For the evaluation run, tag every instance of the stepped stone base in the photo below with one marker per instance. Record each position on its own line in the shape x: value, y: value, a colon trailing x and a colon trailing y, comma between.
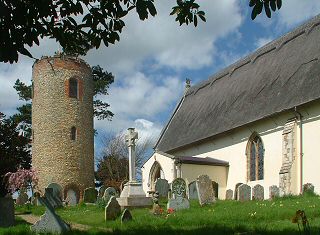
x: 133, y: 196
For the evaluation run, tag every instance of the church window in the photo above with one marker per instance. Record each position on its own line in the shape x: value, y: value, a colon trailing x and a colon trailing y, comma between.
x: 73, y: 88
x: 255, y: 156
x: 73, y: 133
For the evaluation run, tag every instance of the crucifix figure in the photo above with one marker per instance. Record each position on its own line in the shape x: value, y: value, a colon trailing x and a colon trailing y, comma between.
x: 131, y: 137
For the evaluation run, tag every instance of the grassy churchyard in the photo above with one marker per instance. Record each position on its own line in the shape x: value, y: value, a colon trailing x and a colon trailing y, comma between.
x: 223, y: 217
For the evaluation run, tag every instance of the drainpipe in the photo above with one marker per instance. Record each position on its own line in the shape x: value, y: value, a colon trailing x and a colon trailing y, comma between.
x: 301, y: 149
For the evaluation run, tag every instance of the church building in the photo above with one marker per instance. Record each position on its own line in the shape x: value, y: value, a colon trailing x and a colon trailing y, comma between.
x: 255, y: 122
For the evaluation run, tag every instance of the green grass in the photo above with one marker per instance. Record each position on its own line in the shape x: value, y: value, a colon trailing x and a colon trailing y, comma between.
x: 224, y: 217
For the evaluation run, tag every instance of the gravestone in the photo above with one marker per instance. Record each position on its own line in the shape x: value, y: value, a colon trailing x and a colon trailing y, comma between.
x: 101, y: 191
x: 57, y: 190
x: 113, y: 209
x: 236, y: 191
x: 179, y: 201
x: 274, y: 191
x: 126, y: 216
x: 215, y: 186
x: 90, y: 195
x: 49, y: 222
x: 244, y: 193
x: 192, y: 190
x: 162, y: 187
x: 53, y: 200
x: 6, y: 212
x: 71, y: 199
x: 108, y: 193
x: 229, y: 194
x: 308, y: 188
x: 22, y: 198
x: 205, y: 190
x: 258, y: 192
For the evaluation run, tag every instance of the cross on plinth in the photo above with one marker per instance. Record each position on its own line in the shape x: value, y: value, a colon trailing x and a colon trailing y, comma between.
x: 130, y: 138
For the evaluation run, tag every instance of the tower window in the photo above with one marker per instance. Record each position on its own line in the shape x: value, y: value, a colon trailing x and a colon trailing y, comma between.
x: 73, y: 133
x: 73, y: 88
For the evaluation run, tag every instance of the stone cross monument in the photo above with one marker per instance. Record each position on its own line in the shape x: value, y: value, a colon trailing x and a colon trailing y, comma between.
x: 132, y: 194
x: 130, y: 140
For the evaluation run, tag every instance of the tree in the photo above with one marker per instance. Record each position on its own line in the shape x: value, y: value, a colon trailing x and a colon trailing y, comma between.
x: 78, y: 25
x: 14, y: 150
x: 113, y: 165
x: 102, y: 80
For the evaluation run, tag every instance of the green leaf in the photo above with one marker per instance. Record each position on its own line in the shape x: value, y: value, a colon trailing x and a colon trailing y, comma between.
x: 279, y: 4
x: 24, y: 51
x: 273, y: 5
x: 267, y: 9
x: 202, y: 18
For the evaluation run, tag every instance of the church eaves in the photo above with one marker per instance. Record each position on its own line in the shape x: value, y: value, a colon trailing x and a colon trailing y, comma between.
x: 281, y: 75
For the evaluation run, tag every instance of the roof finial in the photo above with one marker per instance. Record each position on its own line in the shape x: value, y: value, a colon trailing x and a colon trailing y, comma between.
x: 188, y: 85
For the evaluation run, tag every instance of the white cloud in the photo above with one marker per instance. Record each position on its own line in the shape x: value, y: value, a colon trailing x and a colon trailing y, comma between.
x: 263, y: 41
x: 294, y: 12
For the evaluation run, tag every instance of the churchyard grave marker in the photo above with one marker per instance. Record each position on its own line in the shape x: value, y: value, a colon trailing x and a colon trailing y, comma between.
x: 162, y: 187
x: 22, y: 198
x: 179, y: 201
x: 6, y: 212
x: 244, y: 193
x: 236, y: 191
x: 308, y: 188
x: 101, y: 191
x: 215, y: 186
x: 126, y: 216
x: 229, y: 194
x: 108, y: 193
x: 274, y: 191
x: 113, y: 209
x: 205, y: 190
x: 192, y: 191
x: 258, y: 192
x: 53, y: 200
x: 90, y: 195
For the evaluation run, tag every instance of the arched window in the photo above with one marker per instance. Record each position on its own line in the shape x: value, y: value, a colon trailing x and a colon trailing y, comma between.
x: 255, y: 158
x: 73, y: 88
x: 73, y: 135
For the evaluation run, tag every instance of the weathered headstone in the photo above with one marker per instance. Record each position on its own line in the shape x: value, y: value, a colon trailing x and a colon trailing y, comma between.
x: 205, y: 190
x: 113, y: 209
x: 126, y: 216
x: 22, y: 198
x: 53, y: 200
x: 308, y: 188
x: 274, y: 191
x: 244, y: 193
x: 215, y: 186
x: 49, y: 222
x: 179, y: 201
x: 236, y: 191
x: 193, y: 192
x: 90, y: 195
x: 229, y: 194
x: 258, y: 192
x: 108, y: 193
x: 101, y: 191
x: 162, y: 187
x: 6, y: 212
x: 71, y: 199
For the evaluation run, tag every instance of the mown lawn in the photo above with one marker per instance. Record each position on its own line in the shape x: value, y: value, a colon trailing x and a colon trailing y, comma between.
x: 224, y: 217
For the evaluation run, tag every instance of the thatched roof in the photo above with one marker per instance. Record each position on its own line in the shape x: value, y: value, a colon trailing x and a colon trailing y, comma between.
x: 277, y: 77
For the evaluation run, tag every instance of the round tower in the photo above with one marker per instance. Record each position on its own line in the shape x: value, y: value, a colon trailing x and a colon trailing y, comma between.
x: 62, y: 124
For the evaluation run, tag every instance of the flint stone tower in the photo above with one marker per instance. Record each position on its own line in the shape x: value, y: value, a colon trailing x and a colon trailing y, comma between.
x: 62, y: 123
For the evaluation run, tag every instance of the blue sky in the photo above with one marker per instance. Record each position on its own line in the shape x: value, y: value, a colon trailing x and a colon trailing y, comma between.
x: 153, y: 58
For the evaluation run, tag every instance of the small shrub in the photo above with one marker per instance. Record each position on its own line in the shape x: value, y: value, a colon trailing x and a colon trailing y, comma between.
x: 101, y: 203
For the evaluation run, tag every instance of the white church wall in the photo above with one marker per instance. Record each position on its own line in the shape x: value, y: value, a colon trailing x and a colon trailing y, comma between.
x: 190, y: 172
x: 166, y: 164
x: 231, y: 147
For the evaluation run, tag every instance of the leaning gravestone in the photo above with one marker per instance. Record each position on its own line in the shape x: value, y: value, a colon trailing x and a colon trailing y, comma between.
x: 258, y: 192
x: 49, y: 222
x: 108, y: 193
x: 90, y: 195
x: 205, y: 190
x: 162, y: 187
x: 6, y: 212
x: 229, y: 194
x: 193, y: 192
x: 179, y: 201
x: 22, y: 198
x: 274, y: 191
x: 113, y: 209
x: 126, y: 216
x: 57, y: 190
x: 101, y: 191
x: 244, y: 193
x: 308, y: 188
